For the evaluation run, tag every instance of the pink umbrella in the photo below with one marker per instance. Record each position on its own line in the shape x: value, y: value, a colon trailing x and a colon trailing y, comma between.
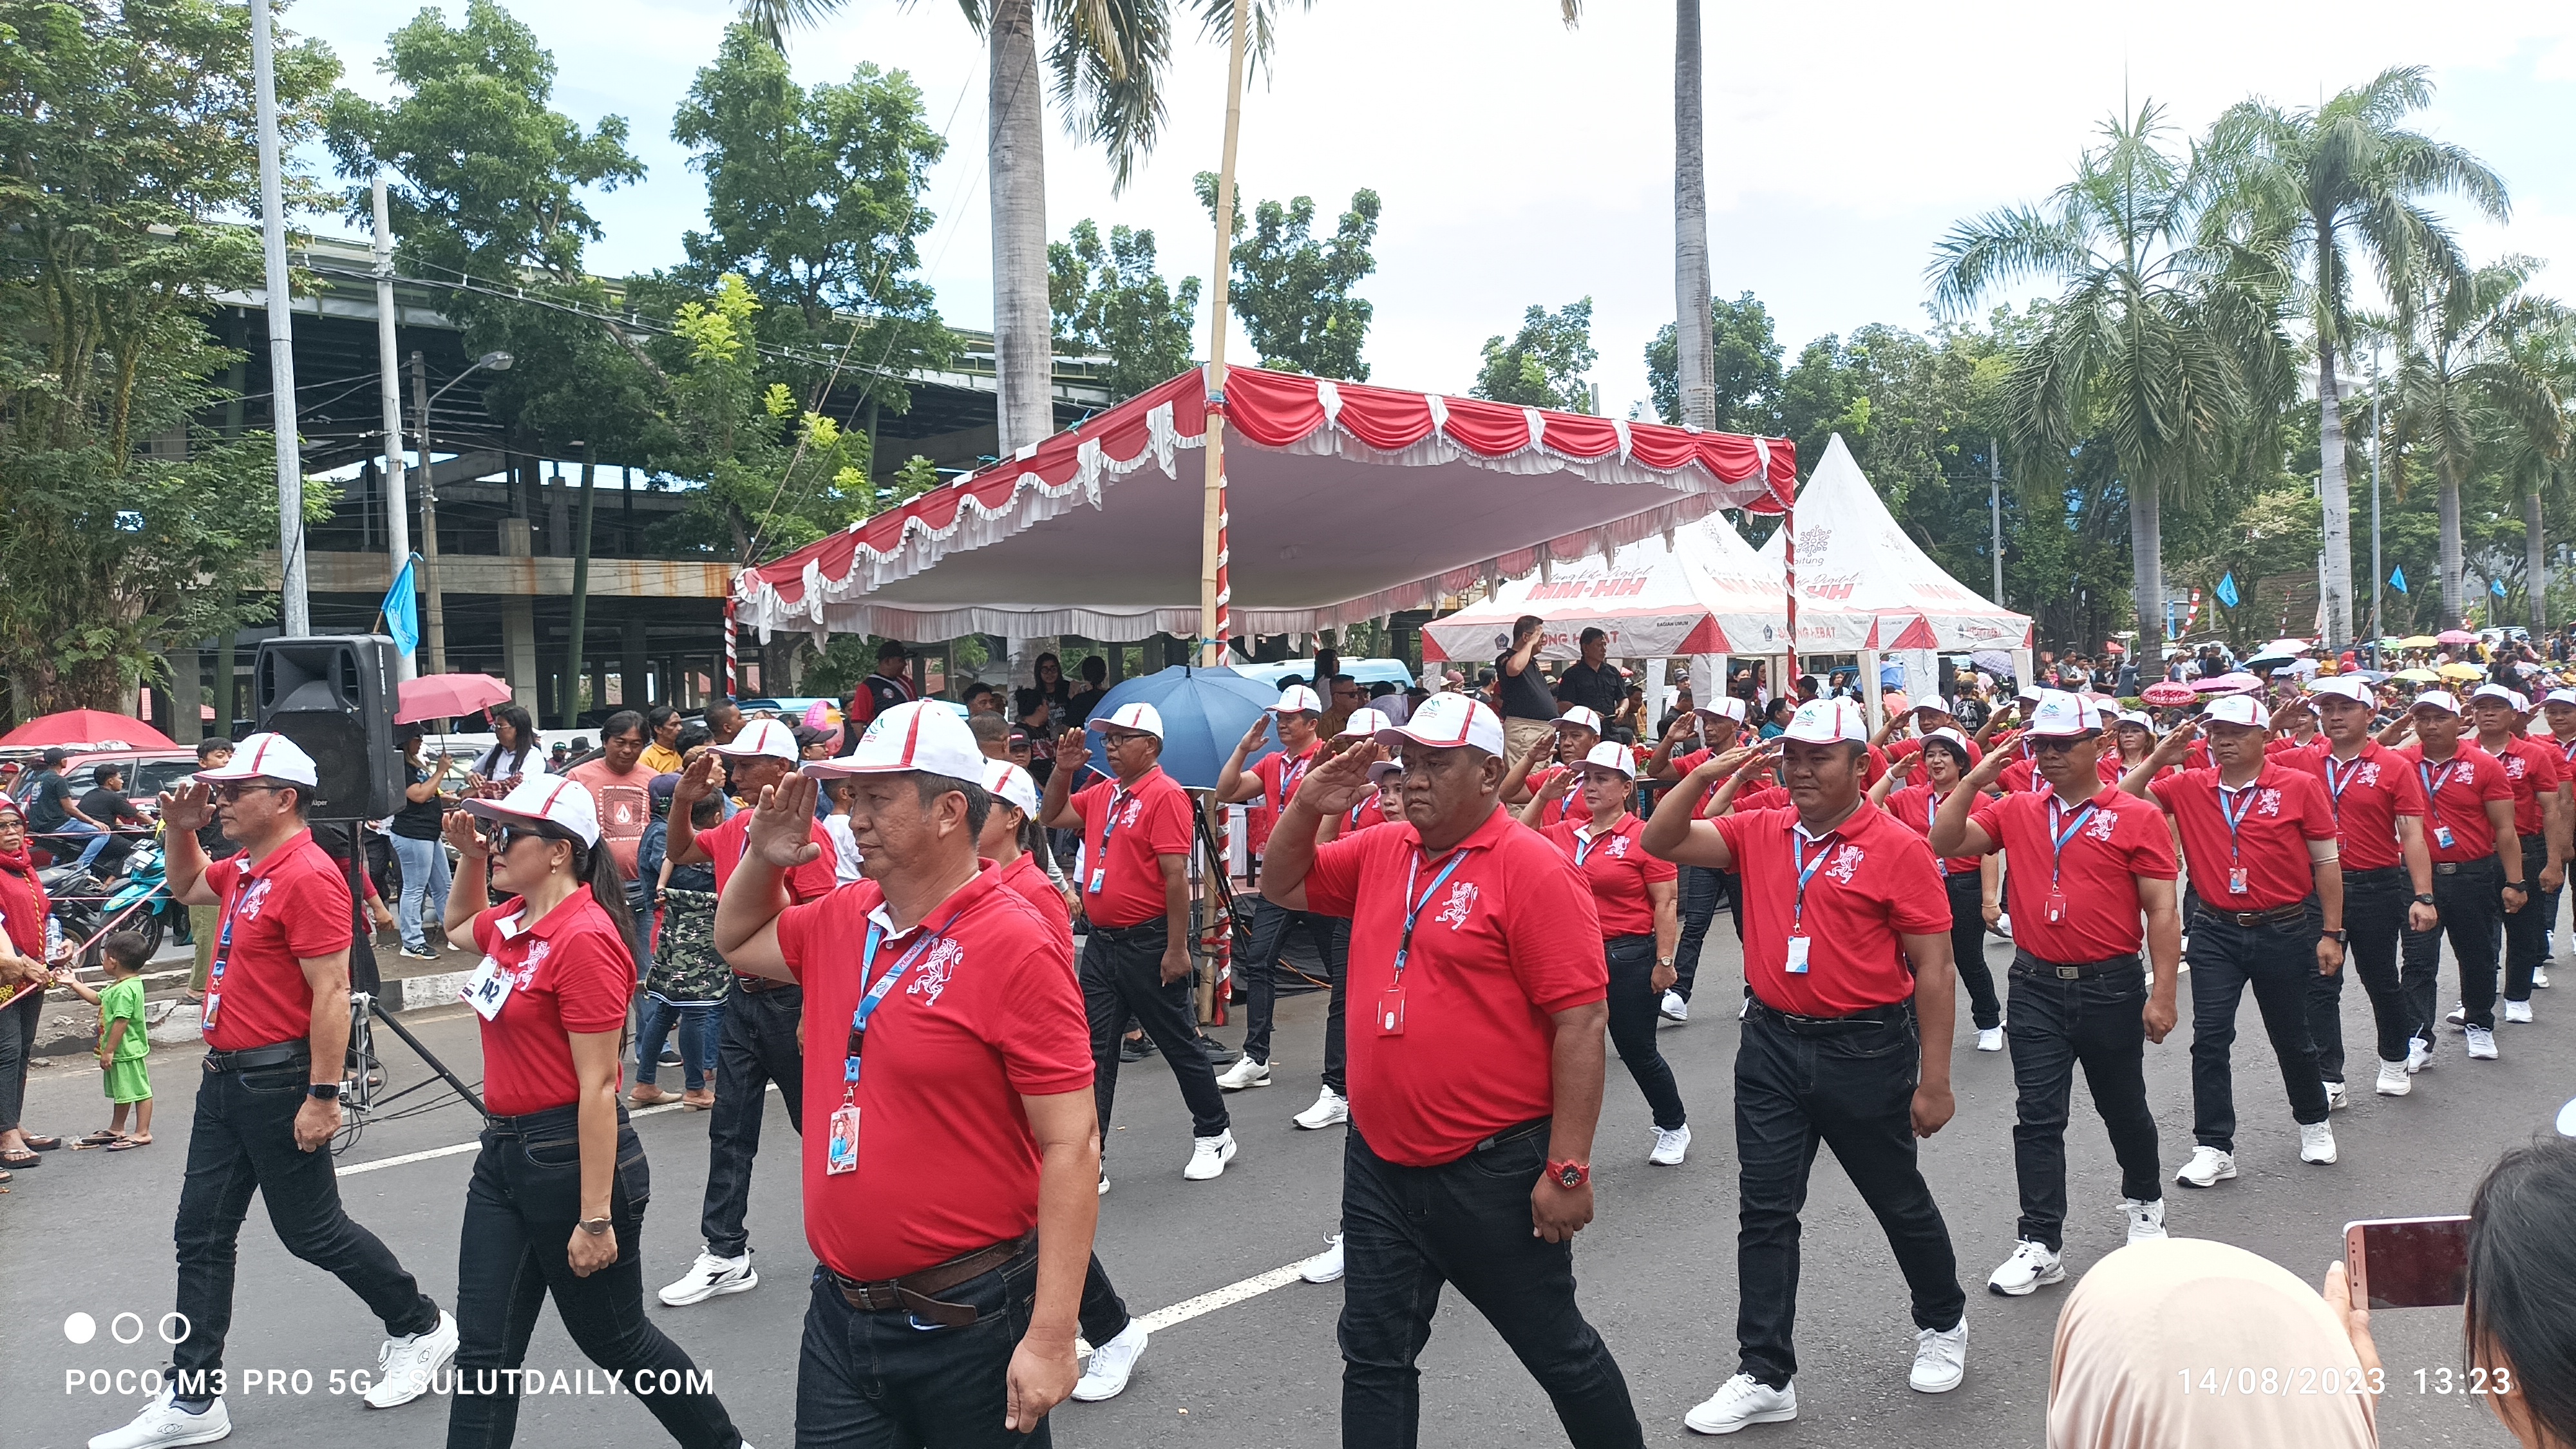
x: 2228, y: 684
x: 439, y: 696
x: 2168, y: 693
x: 87, y: 727
x: 2456, y: 636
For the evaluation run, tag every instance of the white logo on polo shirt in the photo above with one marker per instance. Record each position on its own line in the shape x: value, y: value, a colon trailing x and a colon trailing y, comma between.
x: 936, y: 968
x: 2268, y: 803
x: 2103, y: 824
x: 1135, y: 808
x: 538, y: 951
x: 1462, y: 900
x: 2514, y: 766
x: 251, y: 897
x: 1846, y: 861
x: 1618, y: 847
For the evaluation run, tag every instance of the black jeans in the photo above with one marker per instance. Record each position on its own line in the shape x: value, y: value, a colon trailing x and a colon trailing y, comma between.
x: 2280, y: 962
x: 1407, y: 1231
x: 1633, y: 1012
x: 243, y: 1141
x: 1699, y: 890
x: 1104, y: 1313
x: 1122, y: 975
x: 2526, y: 931
x: 2472, y: 906
x: 876, y: 1381
x: 756, y: 1047
x: 2374, y: 917
x: 1849, y: 1086
x: 520, y: 1210
x: 1968, y: 948
x: 1259, y: 966
x: 18, y: 1022
x: 2056, y: 1024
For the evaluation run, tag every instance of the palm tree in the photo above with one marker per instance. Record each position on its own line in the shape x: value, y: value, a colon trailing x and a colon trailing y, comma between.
x: 2342, y: 178
x: 1107, y: 62
x: 2163, y: 345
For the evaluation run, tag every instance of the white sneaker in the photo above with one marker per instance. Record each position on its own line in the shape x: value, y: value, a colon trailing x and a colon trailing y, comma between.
x: 2481, y: 1044
x: 1669, y: 1146
x: 1244, y: 1073
x: 2459, y: 1015
x: 1330, y: 1107
x: 1674, y: 1007
x: 163, y: 1423
x: 2517, y: 1011
x: 2338, y: 1096
x: 2031, y: 1266
x: 1940, y: 1358
x: 2393, y: 1079
x: 711, y: 1276
x: 1990, y: 1039
x: 2316, y: 1143
x: 1209, y: 1155
x: 405, y: 1366
x: 1742, y: 1400
x: 2208, y: 1167
x: 2540, y: 977
x: 2146, y: 1219
x: 1105, y: 1375
x: 1326, y: 1266
x: 2419, y: 1054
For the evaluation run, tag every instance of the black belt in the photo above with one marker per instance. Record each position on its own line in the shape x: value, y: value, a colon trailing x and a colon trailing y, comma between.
x: 2478, y: 866
x: 755, y: 985
x: 541, y: 1122
x: 2373, y: 875
x: 1510, y: 1135
x: 1125, y: 933
x: 2278, y: 915
x: 912, y: 1294
x: 1805, y: 1025
x: 2026, y: 964
x: 252, y: 1058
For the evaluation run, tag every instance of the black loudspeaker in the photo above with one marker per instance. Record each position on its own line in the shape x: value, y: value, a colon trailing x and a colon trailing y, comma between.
x: 334, y: 696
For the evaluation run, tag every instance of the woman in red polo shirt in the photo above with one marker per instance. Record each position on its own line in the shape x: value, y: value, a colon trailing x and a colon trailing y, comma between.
x: 556, y: 1203
x: 1972, y: 881
x: 1641, y: 924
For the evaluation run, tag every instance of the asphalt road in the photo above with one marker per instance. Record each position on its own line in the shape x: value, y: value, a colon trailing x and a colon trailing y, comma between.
x: 1657, y: 1267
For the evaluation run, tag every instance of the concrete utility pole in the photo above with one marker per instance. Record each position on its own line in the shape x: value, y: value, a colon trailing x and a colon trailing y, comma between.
x: 296, y: 614
x: 389, y: 391
x: 573, y: 674
x: 433, y: 612
x: 1995, y: 511
x: 1215, y: 588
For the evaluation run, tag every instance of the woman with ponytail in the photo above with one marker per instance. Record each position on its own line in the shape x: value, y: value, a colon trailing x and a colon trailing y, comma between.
x: 556, y: 1203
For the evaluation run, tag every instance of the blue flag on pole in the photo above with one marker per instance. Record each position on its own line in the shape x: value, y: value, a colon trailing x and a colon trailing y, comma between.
x: 2496, y: 587
x: 2397, y: 579
x: 2227, y: 590
x: 402, y: 611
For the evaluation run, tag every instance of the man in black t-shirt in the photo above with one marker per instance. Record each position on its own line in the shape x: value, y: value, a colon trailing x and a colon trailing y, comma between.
x: 1592, y: 681
x: 47, y: 795
x: 106, y: 811
x: 1521, y: 696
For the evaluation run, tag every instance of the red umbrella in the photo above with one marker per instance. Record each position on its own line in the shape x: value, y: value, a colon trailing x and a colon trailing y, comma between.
x: 2169, y: 693
x: 440, y: 696
x: 87, y: 727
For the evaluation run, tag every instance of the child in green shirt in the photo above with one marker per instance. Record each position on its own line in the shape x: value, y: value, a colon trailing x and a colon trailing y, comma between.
x: 122, y: 1042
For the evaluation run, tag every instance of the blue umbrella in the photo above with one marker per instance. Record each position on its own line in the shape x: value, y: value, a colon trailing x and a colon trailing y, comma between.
x: 1205, y: 714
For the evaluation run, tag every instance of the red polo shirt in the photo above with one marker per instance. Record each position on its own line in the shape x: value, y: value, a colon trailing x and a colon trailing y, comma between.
x: 2366, y: 796
x: 293, y: 905
x: 1507, y: 941
x: 1615, y: 864
x: 987, y: 1014
x: 572, y: 973
x: 1757, y: 797
x: 2286, y: 810
x: 2458, y: 789
x: 1280, y: 773
x: 1025, y: 876
x: 2122, y: 840
x: 1914, y: 807
x: 2532, y: 769
x: 1877, y: 884
x: 1150, y: 821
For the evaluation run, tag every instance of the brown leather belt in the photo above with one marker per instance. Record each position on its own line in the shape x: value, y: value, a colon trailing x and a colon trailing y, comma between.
x: 2273, y: 917
x: 913, y: 1294
x: 755, y: 985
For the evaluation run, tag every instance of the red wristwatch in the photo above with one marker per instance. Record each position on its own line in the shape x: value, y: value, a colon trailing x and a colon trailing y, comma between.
x: 1570, y: 1174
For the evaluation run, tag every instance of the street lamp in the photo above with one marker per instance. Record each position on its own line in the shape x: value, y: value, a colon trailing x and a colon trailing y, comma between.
x: 433, y: 606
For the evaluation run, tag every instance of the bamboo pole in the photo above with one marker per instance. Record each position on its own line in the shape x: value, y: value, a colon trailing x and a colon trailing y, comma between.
x: 1215, y: 592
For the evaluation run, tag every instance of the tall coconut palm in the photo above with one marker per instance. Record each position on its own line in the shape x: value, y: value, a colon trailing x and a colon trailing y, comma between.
x: 2346, y: 181
x: 1107, y: 61
x: 2163, y: 345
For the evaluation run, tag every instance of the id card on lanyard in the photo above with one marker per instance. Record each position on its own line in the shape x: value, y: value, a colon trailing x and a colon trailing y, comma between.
x: 1390, y: 1003
x: 222, y: 957
x: 1796, y: 964
x: 2236, y: 877
x: 2433, y: 784
x: 1932, y: 817
x: 841, y: 1151
x: 2053, y: 909
x: 1118, y: 795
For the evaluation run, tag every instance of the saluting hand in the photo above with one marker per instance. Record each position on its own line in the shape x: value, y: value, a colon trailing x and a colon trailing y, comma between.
x: 190, y: 808
x: 1903, y: 765
x: 461, y: 832
x: 1253, y: 737
x: 1558, y: 783
x: 782, y: 823
x: 696, y: 782
x: 1337, y: 784
x: 1990, y: 768
x: 1073, y: 748
x: 2172, y: 748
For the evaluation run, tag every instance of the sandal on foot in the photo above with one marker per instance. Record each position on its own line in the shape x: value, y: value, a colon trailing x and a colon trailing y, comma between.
x: 101, y: 1138
x: 20, y: 1159
x: 128, y: 1144
x: 43, y: 1144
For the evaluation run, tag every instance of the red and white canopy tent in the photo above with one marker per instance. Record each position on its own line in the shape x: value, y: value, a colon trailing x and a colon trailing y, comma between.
x: 1347, y: 502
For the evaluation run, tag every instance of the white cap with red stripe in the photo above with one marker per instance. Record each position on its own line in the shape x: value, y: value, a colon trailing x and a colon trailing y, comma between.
x: 2510, y: 699
x: 1612, y: 755
x: 1448, y: 722
x: 266, y: 757
x: 1296, y: 699
x: 1725, y: 706
x: 762, y: 737
x: 2237, y: 709
x: 2344, y: 686
x: 2441, y: 699
x: 1828, y: 722
x: 1142, y: 718
x: 923, y: 735
x: 2061, y: 715
x: 1011, y: 785
x: 1582, y: 717
x: 544, y: 799
x: 1364, y: 724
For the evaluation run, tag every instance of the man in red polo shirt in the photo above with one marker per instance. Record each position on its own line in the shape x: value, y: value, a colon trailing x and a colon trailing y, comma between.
x: 1577, y: 731
x: 949, y: 1186
x: 1715, y: 729
x: 756, y: 1041
x: 1136, y: 894
x: 277, y: 1031
x: 1273, y: 782
x: 2478, y: 880
x: 2539, y: 825
x: 1846, y: 1040
x: 2378, y: 807
x: 2259, y: 838
x: 1475, y: 1080
x: 2093, y: 882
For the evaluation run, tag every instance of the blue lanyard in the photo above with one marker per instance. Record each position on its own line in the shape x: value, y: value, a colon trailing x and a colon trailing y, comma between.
x: 223, y: 955
x: 2336, y: 783
x: 1583, y: 845
x: 1118, y: 795
x: 1287, y: 781
x: 1413, y: 908
x: 2237, y: 817
x: 1806, y: 872
x: 868, y: 1004
x: 2433, y: 786
x: 2057, y: 838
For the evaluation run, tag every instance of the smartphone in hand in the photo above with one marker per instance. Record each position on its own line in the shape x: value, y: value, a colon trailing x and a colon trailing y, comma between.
x: 2408, y: 1262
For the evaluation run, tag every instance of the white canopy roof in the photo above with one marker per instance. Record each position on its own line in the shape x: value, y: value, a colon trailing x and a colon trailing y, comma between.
x: 1699, y: 589
x: 1864, y: 585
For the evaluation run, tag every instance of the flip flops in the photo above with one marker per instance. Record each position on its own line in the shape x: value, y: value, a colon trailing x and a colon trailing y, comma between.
x: 20, y: 1160
x: 101, y: 1138
x: 43, y: 1144
x: 128, y: 1144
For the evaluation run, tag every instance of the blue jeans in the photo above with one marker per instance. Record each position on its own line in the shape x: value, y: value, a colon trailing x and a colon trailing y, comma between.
x: 877, y: 1381
x: 699, y: 1026
x: 424, y: 878
x: 75, y: 829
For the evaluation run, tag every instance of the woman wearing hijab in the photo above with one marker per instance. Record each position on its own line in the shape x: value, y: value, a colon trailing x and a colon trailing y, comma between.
x: 23, y: 979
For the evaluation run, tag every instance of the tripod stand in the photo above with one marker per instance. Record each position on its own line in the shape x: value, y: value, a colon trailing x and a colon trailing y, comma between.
x: 359, y: 1102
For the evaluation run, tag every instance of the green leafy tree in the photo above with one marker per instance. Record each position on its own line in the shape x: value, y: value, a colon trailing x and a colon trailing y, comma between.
x: 1294, y: 291
x: 127, y: 150
x: 1109, y: 299
x: 1543, y: 364
x: 1748, y: 373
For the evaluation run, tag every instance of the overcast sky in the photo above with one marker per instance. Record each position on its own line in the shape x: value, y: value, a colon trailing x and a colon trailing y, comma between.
x: 1522, y: 163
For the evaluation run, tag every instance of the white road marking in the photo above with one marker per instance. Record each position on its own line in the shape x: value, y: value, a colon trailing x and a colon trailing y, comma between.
x: 461, y: 1148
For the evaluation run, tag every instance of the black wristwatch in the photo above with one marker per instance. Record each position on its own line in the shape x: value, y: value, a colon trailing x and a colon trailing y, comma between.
x: 323, y: 1091
x: 596, y: 1227
x: 2339, y: 937
x: 2425, y: 899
